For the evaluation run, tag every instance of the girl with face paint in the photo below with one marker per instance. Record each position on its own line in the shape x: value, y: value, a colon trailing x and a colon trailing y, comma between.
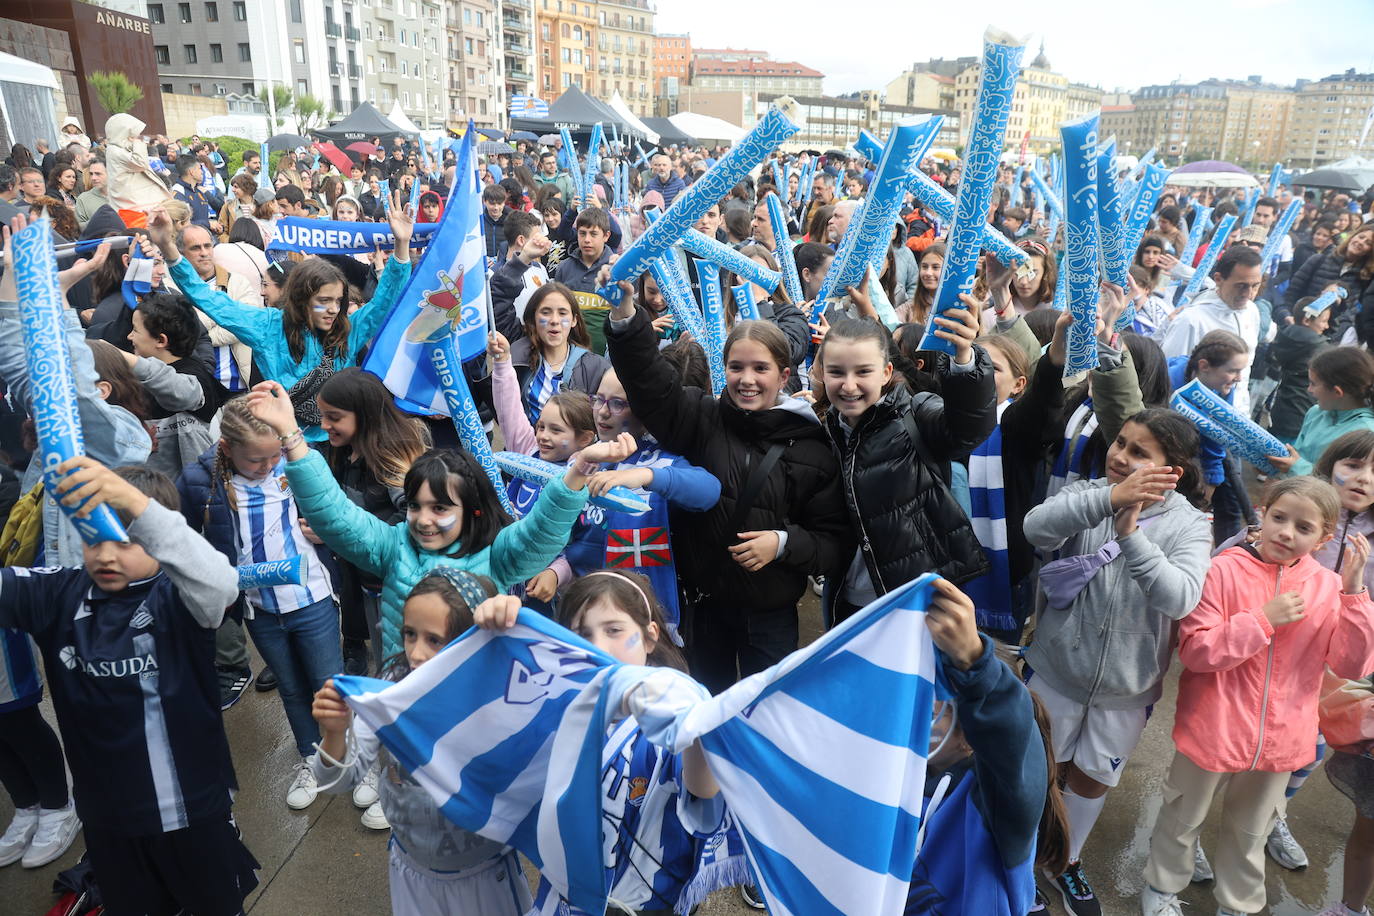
x: 555, y: 352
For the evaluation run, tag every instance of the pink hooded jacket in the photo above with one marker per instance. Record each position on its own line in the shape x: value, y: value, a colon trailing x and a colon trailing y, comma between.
x: 1247, y: 699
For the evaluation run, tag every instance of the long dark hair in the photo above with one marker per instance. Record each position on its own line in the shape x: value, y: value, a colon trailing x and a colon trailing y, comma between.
x: 387, y: 441
x: 631, y: 593
x: 307, y: 279
x: 1349, y: 368
x: 457, y: 474
x: 577, y: 334
x: 1179, y: 440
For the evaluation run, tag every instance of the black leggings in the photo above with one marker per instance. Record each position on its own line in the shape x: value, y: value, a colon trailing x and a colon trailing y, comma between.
x: 31, y: 766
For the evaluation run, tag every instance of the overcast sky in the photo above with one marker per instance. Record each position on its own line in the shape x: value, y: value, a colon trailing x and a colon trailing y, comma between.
x: 1187, y: 40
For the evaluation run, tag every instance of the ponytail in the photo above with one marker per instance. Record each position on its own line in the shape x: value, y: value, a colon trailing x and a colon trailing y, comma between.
x: 1350, y: 369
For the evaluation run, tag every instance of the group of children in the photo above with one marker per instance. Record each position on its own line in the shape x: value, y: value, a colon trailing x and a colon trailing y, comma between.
x: 855, y: 465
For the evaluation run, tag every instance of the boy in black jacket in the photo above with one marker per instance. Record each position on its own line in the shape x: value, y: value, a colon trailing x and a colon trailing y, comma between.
x: 128, y: 646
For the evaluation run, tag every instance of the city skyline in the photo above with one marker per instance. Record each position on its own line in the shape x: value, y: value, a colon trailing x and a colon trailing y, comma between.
x: 1311, y: 49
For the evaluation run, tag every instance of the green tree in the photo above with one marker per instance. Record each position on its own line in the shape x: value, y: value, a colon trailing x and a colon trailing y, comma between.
x: 310, y: 113
x: 281, y: 99
x: 114, y: 91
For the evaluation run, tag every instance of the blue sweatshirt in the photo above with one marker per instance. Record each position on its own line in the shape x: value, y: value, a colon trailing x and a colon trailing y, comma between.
x: 1210, y: 453
x: 979, y: 850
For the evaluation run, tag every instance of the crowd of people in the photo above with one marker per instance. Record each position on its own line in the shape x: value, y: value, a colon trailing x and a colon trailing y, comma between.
x: 1085, y: 532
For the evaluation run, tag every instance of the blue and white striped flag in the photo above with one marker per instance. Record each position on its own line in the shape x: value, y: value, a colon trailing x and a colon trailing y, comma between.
x: 505, y: 731
x: 447, y: 294
x: 822, y: 760
x: 528, y: 106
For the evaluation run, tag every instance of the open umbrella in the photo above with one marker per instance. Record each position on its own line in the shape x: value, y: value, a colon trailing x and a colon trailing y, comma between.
x: 492, y: 133
x: 286, y: 142
x: 1211, y: 173
x: 1339, y: 179
x: 335, y: 155
x: 524, y: 135
x: 549, y: 139
x: 494, y: 147
x: 362, y: 148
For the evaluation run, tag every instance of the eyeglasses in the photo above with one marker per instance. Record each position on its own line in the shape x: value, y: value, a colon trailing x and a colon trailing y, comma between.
x: 614, y: 405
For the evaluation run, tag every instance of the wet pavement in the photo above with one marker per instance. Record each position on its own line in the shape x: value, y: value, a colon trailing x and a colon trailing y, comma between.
x: 323, y: 861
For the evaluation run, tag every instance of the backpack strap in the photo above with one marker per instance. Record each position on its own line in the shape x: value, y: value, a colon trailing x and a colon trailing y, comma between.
x: 753, y: 485
x: 941, y: 468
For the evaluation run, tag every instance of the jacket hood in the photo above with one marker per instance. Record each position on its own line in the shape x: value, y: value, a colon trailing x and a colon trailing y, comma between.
x: 1211, y: 301
x: 103, y: 221
x: 1293, y: 575
x: 122, y: 128
x: 790, y: 418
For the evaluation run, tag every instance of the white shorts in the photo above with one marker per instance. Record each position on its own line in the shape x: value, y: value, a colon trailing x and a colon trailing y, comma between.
x: 1096, y: 740
x: 494, y: 888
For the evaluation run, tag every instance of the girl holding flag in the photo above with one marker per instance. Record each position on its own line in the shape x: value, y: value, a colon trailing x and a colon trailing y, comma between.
x: 311, y: 336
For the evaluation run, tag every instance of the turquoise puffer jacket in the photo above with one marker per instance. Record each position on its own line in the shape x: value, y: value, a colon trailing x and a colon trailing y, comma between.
x: 522, y: 549
x: 260, y: 327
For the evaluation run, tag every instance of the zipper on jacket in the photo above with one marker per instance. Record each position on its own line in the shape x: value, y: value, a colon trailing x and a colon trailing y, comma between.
x: 1268, y: 673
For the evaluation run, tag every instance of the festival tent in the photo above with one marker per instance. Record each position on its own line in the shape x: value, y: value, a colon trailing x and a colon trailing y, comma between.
x: 578, y: 112
x: 398, y: 116
x: 668, y: 133
x: 705, y: 127
x: 619, y: 107
x: 1210, y: 173
x: 364, y: 123
x: 26, y: 102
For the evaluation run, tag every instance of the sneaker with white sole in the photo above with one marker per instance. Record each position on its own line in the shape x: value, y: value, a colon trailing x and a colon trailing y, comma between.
x: 1076, y: 892
x: 1202, y: 869
x: 752, y: 897
x: 374, y: 818
x: 1158, y: 903
x: 57, y: 828
x: 1340, y: 909
x: 1283, y: 848
x: 303, y: 789
x: 15, y: 841
x: 365, y: 792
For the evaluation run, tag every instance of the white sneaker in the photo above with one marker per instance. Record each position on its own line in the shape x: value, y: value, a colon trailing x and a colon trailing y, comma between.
x: 365, y: 792
x: 56, y: 831
x: 1283, y: 848
x: 1202, y: 869
x: 303, y: 790
x: 15, y: 841
x: 1158, y: 903
x: 1340, y: 909
x: 374, y: 819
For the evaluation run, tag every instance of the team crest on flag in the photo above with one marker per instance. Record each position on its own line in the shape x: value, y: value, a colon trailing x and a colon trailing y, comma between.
x: 456, y: 257
x: 627, y: 548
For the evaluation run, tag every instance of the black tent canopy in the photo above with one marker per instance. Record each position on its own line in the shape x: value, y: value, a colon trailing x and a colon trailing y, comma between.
x: 668, y: 132
x: 578, y: 112
x: 364, y: 123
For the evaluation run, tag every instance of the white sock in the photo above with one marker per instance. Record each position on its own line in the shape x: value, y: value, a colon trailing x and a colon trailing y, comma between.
x: 1083, y: 814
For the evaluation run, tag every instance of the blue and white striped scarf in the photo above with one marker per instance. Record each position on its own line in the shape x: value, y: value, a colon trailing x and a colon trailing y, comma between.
x: 991, y: 592
x: 1068, y: 466
x: 543, y: 385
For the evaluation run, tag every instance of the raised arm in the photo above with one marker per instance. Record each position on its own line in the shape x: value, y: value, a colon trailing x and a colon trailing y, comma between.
x: 505, y: 396
x: 173, y: 390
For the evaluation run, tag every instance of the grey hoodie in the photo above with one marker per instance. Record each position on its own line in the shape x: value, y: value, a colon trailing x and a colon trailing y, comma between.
x: 1111, y: 647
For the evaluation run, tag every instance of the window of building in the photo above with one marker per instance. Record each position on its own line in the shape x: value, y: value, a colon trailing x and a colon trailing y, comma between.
x: 190, y: 51
x: 217, y: 54
x: 467, y: 16
x: 298, y: 50
x: 240, y: 11
x: 184, y: 12
x: 301, y: 87
x: 167, y: 88
x: 548, y: 83
x: 220, y: 89
x: 405, y: 98
x: 545, y: 32
x: 212, y: 12
x: 403, y: 36
x: 245, y: 53
x: 194, y: 89
x: 468, y: 45
x: 247, y: 88
x: 296, y: 13
x: 155, y: 14
x: 479, y: 19
x: 164, y: 57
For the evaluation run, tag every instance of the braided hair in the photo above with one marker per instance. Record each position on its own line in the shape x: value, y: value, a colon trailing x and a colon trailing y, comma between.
x: 237, y: 426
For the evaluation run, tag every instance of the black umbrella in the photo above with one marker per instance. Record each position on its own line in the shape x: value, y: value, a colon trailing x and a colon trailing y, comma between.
x: 524, y: 135
x: 1339, y: 179
x: 811, y: 152
x: 493, y: 147
x: 287, y: 141
x: 492, y: 133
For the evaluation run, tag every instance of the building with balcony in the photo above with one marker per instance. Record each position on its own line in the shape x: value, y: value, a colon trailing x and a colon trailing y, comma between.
x: 218, y: 47
x: 672, y: 62
x: 756, y: 75
x: 625, y: 53
x: 471, y: 64
x: 517, y: 49
x: 565, y: 47
x: 1331, y: 119
x: 403, y: 45
x: 1041, y: 102
x: 836, y: 122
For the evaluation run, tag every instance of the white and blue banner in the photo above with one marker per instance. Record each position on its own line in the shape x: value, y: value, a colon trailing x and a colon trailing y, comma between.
x: 528, y: 106
x: 327, y: 236
x: 821, y: 758
x: 446, y: 296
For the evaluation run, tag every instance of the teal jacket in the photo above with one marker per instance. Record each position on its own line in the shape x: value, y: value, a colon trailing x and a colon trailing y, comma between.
x: 261, y: 328
x: 1322, y: 427
x: 521, y: 550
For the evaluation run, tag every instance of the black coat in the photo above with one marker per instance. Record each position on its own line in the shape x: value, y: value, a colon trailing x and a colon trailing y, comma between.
x: 1316, y: 274
x: 907, y: 521
x: 1289, y: 356
x: 801, y: 495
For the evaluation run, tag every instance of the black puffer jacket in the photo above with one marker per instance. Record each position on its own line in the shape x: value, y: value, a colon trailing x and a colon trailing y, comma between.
x: 1316, y: 274
x: 800, y: 496
x: 907, y: 521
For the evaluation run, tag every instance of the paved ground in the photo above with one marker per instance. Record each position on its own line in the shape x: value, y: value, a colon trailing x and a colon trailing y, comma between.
x: 323, y: 861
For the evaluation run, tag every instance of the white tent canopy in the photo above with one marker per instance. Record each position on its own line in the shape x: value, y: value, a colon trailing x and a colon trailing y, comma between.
x: 398, y: 117
x: 27, y: 104
x: 705, y: 127
x: 619, y: 107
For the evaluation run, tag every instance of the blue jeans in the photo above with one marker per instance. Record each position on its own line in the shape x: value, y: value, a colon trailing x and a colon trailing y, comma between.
x: 302, y: 649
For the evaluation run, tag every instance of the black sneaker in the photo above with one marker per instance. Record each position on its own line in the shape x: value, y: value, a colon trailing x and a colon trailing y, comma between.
x: 1078, y: 895
x: 266, y: 680
x: 1041, y: 905
x: 355, y: 657
x: 752, y: 896
x: 232, y: 684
